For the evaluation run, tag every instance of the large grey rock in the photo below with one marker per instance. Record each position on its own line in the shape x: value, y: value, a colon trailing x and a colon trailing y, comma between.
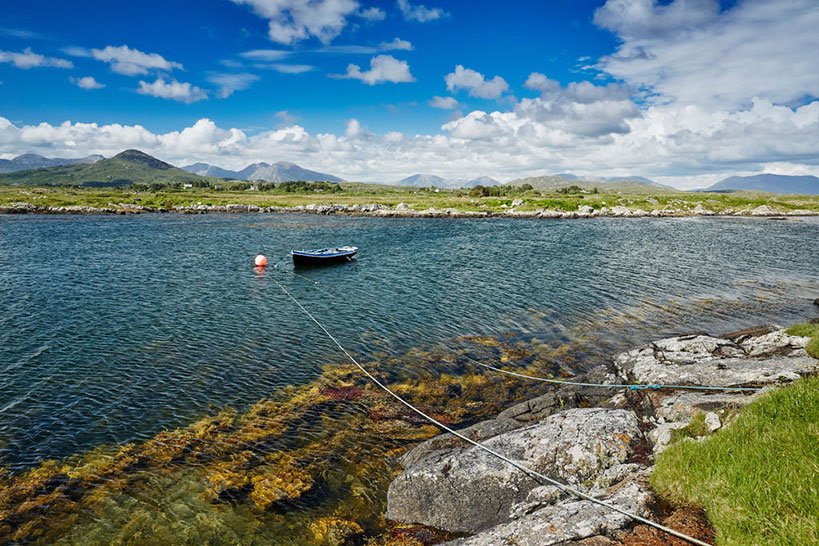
x: 468, y: 489
x: 682, y: 406
x: 619, y: 210
x: 569, y: 520
x: 706, y: 360
x: 764, y: 210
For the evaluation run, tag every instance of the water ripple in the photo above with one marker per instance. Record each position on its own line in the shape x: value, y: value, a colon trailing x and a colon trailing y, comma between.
x: 113, y: 329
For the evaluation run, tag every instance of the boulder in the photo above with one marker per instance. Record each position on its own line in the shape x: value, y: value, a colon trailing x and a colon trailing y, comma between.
x: 682, y: 406
x: 764, y: 210
x: 706, y: 360
x: 466, y: 489
x: 699, y: 210
x: 774, y: 343
x: 619, y: 210
x: 569, y: 520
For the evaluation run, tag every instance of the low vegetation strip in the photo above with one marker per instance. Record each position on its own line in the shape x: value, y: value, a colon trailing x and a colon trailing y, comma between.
x: 756, y: 479
x: 506, y: 200
x: 810, y: 330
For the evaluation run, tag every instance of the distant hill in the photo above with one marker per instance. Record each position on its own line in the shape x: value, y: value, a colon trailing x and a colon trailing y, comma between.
x: 631, y: 178
x: 633, y: 184
x: 34, y: 161
x: 642, y: 179
x: 424, y: 181
x: 773, y: 183
x: 282, y: 171
x: 434, y: 181
x: 484, y: 181
x: 203, y: 169
x: 124, y: 169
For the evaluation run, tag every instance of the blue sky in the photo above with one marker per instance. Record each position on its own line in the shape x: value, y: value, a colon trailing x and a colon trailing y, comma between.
x: 527, y: 87
x: 203, y: 35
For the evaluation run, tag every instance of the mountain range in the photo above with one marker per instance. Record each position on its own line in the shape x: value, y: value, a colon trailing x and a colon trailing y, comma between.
x: 611, y: 179
x: 433, y: 181
x: 619, y: 183
x: 134, y: 166
x: 773, y: 183
x: 34, y: 161
x: 126, y: 168
x: 282, y: 171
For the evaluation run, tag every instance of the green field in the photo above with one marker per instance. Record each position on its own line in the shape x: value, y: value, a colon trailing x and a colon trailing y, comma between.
x: 418, y: 199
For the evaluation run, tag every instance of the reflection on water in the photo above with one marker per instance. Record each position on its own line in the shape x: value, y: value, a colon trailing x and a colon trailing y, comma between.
x: 115, y: 329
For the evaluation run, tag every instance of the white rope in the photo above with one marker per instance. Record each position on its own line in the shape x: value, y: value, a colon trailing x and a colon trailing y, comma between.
x: 524, y: 469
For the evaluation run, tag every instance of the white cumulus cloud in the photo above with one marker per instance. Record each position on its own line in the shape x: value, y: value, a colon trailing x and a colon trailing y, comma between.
x: 383, y: 68
x: 419, y: 13
x: 28, y: 59
x: 87, y: 82
x: 132, y: 62
x: 649, y: 18
x: 687, y: 146
x: 173, y: 90
x: 475, y: 83
x: 291, y: 21
x: 395, y: 44
x: 690, y: 52
x: 372, y: 14
x: 444, y: 103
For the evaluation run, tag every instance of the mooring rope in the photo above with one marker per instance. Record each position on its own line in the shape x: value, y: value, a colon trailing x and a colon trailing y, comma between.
x: 532, y: 473
x: 636, y: 387
x: 629, y: 386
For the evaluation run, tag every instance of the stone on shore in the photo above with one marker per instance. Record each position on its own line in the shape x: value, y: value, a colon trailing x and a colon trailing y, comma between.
x: 570, y: 520
x: 699, y: 210
x: 706, y: 360
x: 466, y: 489
x: 764, y: 210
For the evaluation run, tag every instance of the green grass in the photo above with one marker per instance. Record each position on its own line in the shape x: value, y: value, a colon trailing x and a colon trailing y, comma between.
x: 418, y: 199
x: 757, y: 479
x: 807, y: 330
x: 694, y: 429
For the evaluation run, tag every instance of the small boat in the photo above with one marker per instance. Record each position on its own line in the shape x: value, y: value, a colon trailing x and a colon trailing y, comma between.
x: 324, y: 256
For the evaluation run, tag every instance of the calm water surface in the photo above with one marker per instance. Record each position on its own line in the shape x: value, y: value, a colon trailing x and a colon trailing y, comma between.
x: 115, y: 328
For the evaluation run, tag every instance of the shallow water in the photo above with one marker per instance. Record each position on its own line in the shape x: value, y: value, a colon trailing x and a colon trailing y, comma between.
x: 115, y: 328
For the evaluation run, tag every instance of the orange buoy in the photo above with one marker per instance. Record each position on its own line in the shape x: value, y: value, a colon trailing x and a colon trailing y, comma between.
x: 261, y: 261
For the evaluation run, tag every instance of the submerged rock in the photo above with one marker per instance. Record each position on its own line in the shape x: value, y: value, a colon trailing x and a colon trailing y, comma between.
x: 468, y: 489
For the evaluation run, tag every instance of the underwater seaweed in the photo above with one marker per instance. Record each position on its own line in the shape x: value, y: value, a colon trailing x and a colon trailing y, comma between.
x: 309, y: 464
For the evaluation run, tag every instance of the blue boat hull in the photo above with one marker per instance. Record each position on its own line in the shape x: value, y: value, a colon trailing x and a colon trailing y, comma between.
x: 306, y: 259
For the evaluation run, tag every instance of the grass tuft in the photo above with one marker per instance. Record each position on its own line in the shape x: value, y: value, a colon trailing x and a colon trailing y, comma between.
x: 695, y: 429
x: 757, y: 479
x: 807, y: 330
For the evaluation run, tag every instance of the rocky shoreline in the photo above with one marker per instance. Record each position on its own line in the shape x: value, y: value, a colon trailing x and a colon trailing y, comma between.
x: 402, y: 210
x: 601, y: 444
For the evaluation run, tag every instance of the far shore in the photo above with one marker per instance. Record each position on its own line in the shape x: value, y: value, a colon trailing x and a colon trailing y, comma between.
x: 402, y: 210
